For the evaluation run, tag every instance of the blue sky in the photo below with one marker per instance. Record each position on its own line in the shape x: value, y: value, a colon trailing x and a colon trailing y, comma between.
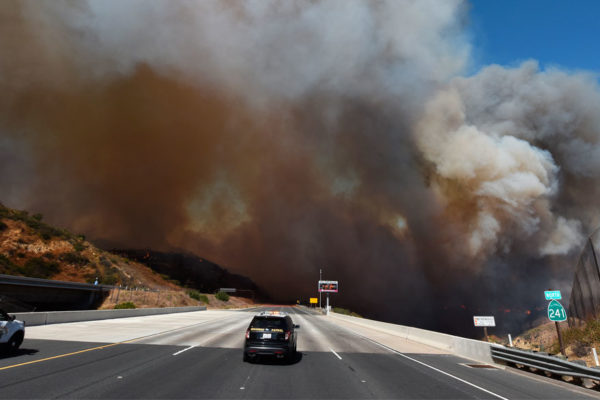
x: 554, y: 32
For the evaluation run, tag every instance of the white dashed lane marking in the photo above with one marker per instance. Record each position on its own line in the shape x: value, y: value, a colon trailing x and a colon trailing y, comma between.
x: 186, y: 349
x: 336, y: 354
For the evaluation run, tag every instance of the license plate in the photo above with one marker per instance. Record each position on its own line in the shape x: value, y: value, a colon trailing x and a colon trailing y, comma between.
x: 266, y: 336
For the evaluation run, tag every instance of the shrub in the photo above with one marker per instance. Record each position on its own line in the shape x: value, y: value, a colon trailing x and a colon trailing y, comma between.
x: 45, y: 231
x: 3, y: 226
x: 74, y: 258
x: 105, y: 262
x: 196, y: 295
x: 40, y: 268
x: 110, y: 279
x: 38, y: 217
x: 78, y: 246
x: 221, y: 295
x: 4, y: 260
x: 7, y: 267
x: 125, y: 305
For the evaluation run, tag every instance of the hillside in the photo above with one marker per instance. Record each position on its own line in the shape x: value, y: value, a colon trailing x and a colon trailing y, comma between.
x: 30, y: 247
x: 578, y: 341
x: 193, y: 271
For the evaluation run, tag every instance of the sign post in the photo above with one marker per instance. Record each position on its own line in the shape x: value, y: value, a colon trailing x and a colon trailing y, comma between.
x: 557, y: 313
x: 484, y: 322
x: 320, y: 304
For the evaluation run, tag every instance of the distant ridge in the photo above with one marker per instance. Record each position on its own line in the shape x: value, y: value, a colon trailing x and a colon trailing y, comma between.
x: 192, y: 271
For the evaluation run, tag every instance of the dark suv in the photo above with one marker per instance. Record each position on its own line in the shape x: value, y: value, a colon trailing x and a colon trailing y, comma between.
x: 271, y: 333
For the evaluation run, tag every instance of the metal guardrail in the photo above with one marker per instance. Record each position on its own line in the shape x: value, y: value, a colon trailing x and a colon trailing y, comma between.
x: 25, y: 281
x: 543, y: 362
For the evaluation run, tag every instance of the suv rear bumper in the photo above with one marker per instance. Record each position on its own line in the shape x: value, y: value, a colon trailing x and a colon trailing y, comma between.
x: 260, y: 349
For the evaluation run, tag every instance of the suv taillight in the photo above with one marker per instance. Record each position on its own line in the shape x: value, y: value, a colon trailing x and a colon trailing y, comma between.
x: 247, y: 333
x: 287, y: 335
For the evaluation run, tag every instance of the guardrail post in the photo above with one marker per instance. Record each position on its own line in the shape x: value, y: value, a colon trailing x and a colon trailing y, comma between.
x: 118, y: 293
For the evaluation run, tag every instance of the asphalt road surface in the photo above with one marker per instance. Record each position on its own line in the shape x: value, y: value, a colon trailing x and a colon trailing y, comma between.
x: 199, y: 355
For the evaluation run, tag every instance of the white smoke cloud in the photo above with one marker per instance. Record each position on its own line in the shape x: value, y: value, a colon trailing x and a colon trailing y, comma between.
x: 565, y: 237
x: 264, y: 49
x: 521, y: 144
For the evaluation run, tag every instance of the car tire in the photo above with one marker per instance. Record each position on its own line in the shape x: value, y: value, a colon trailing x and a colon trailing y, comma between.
x: 291, y: 357
x: 14, y: 342
x: 246, y: 358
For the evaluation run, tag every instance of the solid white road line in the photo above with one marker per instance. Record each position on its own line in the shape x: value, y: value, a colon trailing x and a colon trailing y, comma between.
x: 336, y: 354
x: 422, y: 363
x: 181, y: 351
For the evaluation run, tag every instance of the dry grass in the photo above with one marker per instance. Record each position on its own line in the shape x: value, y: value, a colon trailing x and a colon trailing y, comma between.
x: 169, y: 298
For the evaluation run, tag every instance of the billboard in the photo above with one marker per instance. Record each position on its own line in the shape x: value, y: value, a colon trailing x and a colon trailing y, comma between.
x: 484, y: 321
x: 328, y: 286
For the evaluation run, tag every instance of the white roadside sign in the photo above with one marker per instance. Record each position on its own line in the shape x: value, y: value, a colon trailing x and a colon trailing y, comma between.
x: 484, y: 321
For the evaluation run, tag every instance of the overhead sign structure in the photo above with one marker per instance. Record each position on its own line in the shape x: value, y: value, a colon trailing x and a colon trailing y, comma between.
x: 314, y: 300
x: 484, y: 321
x: 552, y: 295
x: 556, y: 312
x: 328, y: 286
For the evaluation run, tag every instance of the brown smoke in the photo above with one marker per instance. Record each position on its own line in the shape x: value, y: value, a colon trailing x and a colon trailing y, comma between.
x: 278, y: 138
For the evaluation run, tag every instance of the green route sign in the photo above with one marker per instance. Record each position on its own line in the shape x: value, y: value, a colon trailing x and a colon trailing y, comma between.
x: 556, y: 312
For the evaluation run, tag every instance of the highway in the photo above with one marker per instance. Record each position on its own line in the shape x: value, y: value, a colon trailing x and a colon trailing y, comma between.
x: 199, y: 355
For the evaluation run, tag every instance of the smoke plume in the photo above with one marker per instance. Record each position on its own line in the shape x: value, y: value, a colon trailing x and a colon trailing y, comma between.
x: 280, y: 138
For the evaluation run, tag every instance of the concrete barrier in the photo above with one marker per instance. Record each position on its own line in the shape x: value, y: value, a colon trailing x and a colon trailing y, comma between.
x: 57, y: 317
x: 468, y: 348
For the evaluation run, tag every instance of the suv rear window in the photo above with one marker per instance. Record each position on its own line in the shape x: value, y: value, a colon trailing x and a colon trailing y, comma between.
x: 270, y: 323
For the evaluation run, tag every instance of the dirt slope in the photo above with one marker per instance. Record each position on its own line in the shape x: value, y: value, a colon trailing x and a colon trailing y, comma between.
x: 29, y: 247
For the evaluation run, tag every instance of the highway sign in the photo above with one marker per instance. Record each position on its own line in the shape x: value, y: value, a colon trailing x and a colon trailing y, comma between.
x: 328, y: 286
x: 484, y: 321
x: 552, y: 295
x: 227, y: 290
x: 314, y: 300
x: 556, y: 312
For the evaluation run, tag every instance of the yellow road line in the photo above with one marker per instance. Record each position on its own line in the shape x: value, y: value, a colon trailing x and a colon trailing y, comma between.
x: 68, y: 354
